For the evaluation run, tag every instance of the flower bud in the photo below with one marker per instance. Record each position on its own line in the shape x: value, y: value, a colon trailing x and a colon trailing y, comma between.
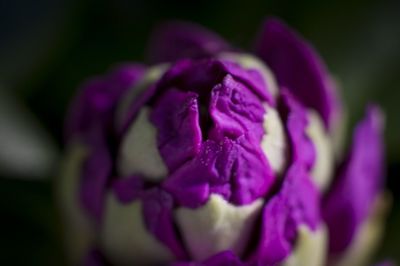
x: 217, y: 157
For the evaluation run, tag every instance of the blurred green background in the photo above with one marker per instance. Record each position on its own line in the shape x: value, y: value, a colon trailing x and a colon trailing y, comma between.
x: 47, y: 47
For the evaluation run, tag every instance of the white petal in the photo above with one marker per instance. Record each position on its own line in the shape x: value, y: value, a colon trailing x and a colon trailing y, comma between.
x: 368, y: 236
x: 274, y: 142
x: 322, y: 170
x: 249, y: 61
x: 124, y: 238
x: 139, y: 152
x: 217, y: 226
x: 310, y: 248
x: 78, y: 229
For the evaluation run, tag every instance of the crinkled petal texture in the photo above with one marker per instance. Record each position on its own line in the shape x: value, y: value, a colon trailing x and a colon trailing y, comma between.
x: 210, y: 139
x: 217, y: 158
x: 180, y: 136
x: 358, y: 184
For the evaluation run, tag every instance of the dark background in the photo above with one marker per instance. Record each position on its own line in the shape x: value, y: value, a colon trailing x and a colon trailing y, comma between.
x: 47, y: 47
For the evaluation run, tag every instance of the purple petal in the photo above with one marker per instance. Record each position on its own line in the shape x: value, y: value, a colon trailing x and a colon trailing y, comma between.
x: 298, y: 67
x: 296, y: 203
x: 230, y: 161
x: 95, y: 174
x: 177, y: 40
x: 232, y: 169
x: 235, y: 111
x: 157, y: 212
x: 176, y: 116
x: 358, y: 183
x: 238, y: 114
x: 202, y: 75
x: 225, y: 258
x: 128, y: 189
x: 250, y: 77
x: 295, y: 117
x: 95, y: 103
x: 251, y: 176
x: 192, y: 183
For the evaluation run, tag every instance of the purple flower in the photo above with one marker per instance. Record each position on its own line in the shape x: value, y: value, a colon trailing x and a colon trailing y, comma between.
x: 217, y: 157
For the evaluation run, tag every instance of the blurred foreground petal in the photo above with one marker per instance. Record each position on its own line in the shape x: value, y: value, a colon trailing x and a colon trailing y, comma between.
x: 27, y: 151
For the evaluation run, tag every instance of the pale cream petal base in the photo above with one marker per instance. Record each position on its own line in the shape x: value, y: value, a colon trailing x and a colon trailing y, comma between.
x: 139, y: 152
x: 77, y: 228
x: 124, y: 238
x: 310, y: 248
x: 322, y: 170
x: 274, y: 142
x: 217, y: 226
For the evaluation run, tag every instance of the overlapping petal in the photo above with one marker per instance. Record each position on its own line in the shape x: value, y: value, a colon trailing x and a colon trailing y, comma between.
x: 296, y: 203
x: 179, y: 138
x: 295, y: 115
x: 358, y: 183
x: 200, y: 76
x: 211, y: 133
x: 229, y: 113
x: 298, y: 67
x: 157, y: 212
x: 96, y: 100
